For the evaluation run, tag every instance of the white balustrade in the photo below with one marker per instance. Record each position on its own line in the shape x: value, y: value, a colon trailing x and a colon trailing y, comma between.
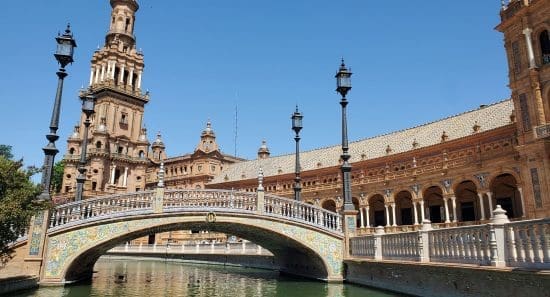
x: 302, y: 212
x: 177, y: 200
x: 528, y: 244
x: 193, y: 248
x: 401, y: 246
x: 362, y: 246
x: 469, y: 245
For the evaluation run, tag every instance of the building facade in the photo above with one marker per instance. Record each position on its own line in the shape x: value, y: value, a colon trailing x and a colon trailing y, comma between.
x: 452, y: 171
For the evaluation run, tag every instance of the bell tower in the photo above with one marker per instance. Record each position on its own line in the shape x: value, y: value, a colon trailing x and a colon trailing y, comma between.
x: 526, y: 26
x: 118, y: 146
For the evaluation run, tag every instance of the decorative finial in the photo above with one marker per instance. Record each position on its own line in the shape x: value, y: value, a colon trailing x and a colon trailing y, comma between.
x: 388, y: 149
x: 161, y: 176
x: 444, y: 136
x: 415, y: 143
x: 261, y: 180
x: 68, y: 30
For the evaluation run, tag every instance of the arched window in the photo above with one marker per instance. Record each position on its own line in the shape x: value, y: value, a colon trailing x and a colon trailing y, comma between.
x: 545, y: 47
x: 71, y: 151
x: 98, y: 144
x: 141, y: 154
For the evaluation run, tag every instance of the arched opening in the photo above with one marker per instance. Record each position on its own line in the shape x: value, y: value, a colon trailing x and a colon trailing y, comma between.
x: 355, y: 202
x: 505, y: 193
x: 545, y: 47
x: 329, y: 205
x: 377, y: 211
x: 98, y: 144
x: 141, y: 154
x: 117, y: 76
x: 290, y: 255
x: 71, y: 151
x: 433, y: 201
x: 117, y: 176
x: 405, y: 213
x: 467, y: 202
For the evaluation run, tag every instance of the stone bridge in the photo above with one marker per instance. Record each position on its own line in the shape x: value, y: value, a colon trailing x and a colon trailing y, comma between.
x: 305, y: 239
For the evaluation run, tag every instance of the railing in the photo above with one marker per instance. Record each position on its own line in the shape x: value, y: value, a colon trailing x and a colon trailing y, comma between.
x: 543, y: 131
x: 528, y: 244
x: 469, y: 245
x: 363, y: 246
x: 177, y: 200
x: 401, y: 246
x: 240, y: 248
x: 302, y: 212
x: 101, y: 207
x: 500, y: 243
x: 545, y: 59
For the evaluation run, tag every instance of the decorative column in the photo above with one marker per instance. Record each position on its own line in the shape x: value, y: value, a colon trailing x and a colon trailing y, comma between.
x: 112, y: 180
x: 387, y: 215
x: 520, y: 191
x: 422, y: 214
x: 158, y: 203
x: 91, y: 76
x: 481, y: 206
x: 415, y: 213
x: 490, y: 200
x: 97, y: 71
x: 368, y: 215
x: 393, y: 215
x: 125, y: 180
x: 102, y: 72
x: 361, y: 210
x: 113, y: 66
x: 260, y: 194
x: 138, y: 80
x: 121, y: 74
x: 131, y: 77
x: 453, y: 202
x: 446, y: 203
x: 530, y: 53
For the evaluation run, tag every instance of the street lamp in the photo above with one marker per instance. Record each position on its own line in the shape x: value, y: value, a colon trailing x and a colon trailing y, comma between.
x: 88, y: 104
x: 64, y: 56
x: 343, y: 85
x: 297, y: 126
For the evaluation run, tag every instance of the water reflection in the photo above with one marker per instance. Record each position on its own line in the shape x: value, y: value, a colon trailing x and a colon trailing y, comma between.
x: 159, y: 278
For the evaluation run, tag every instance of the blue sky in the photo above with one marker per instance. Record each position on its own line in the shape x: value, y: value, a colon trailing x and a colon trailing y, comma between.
x: 413, y: 62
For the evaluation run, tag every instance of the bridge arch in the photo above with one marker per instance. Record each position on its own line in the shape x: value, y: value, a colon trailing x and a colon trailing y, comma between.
x: 299, y: 247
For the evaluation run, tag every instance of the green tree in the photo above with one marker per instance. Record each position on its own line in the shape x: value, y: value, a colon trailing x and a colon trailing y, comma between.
x: 57, y: 176
x: 5, y: 150
x: 17, y: 201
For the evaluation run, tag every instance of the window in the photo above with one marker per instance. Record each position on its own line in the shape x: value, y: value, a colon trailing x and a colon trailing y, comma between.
x: 213, y: 168
x: 141, y: 154
x: 98, y: 144
x: 516, y: 57
x: 124, y: 118
x: 545, y: 47
x: 524, y: 109
x: 94, y: 186
x: 71, y: 151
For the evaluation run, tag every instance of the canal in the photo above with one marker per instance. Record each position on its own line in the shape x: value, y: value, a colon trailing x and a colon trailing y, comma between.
x: 160, y: 278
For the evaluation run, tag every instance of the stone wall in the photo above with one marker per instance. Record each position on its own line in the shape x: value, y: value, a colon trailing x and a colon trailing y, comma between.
x: 431, y: 280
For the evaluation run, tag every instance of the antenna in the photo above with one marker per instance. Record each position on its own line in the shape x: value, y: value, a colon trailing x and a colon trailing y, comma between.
x: 236, y: 127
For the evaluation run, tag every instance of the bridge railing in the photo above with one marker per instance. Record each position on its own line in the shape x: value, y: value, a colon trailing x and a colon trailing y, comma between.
x: 101, y: 207
x: 240, y: 248
x: 500, y: 243
x: 176, y: 200
x: 302, y: 212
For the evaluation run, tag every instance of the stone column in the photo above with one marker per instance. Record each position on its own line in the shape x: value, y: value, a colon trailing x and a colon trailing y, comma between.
x: 530, y: 53
x: 125, y: 180
x: 368, y: 215
x: 446, y: 203
x: 393, y: 214
x: 362, y: 217
x: 102, y: 72
x: 453, y: 202
x: 422, y: 214
x: 138, y: 80
x: 415, y: 213
x: 113, y: 65
x: 131, y: 77
x: 481, y: 206
x: 97, y: 71
x: 520, y: 191
x: 387, y: 215
x: 112, y: 181
x: 91, y: 76
x: 121, y: 74
x: 490, y: 199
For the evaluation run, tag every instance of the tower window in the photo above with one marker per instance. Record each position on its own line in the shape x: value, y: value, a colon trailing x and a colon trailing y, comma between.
x: 98, y: 144
x: 525, y: 116
x: 124, y: 118
x: 516, y: 56
x: 127, y: 25
x: 71, y: 151
x: 545, y: 47
x: 141, y: 154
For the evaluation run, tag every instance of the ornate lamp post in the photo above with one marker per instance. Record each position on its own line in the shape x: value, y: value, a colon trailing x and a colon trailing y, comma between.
x: 64, y: 56
x: 88, y: 104
x: 343, y: 85
x: 297, y: 126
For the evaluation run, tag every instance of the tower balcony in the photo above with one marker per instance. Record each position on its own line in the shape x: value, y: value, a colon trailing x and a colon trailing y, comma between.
x: 110, y: 85
x: 543, y: 131
x: 513, y: 7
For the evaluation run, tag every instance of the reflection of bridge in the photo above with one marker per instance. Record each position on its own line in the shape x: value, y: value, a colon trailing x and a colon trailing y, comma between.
x: 305, y: 239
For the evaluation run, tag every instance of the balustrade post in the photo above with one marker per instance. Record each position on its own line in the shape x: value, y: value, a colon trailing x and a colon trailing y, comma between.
x: 424, y: 241
x: 378, y: 232
x: 497, y: 237
x: 158, y: 203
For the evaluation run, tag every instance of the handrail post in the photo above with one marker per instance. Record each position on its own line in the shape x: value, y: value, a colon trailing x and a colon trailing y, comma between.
x: 424, y: 241
x: 378, y: 232
x: 260, y: 194
x: 158, y: 203
x: 497, y: 237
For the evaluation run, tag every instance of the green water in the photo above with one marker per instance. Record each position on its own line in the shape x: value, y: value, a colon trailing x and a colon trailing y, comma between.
x: 150, y: 278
